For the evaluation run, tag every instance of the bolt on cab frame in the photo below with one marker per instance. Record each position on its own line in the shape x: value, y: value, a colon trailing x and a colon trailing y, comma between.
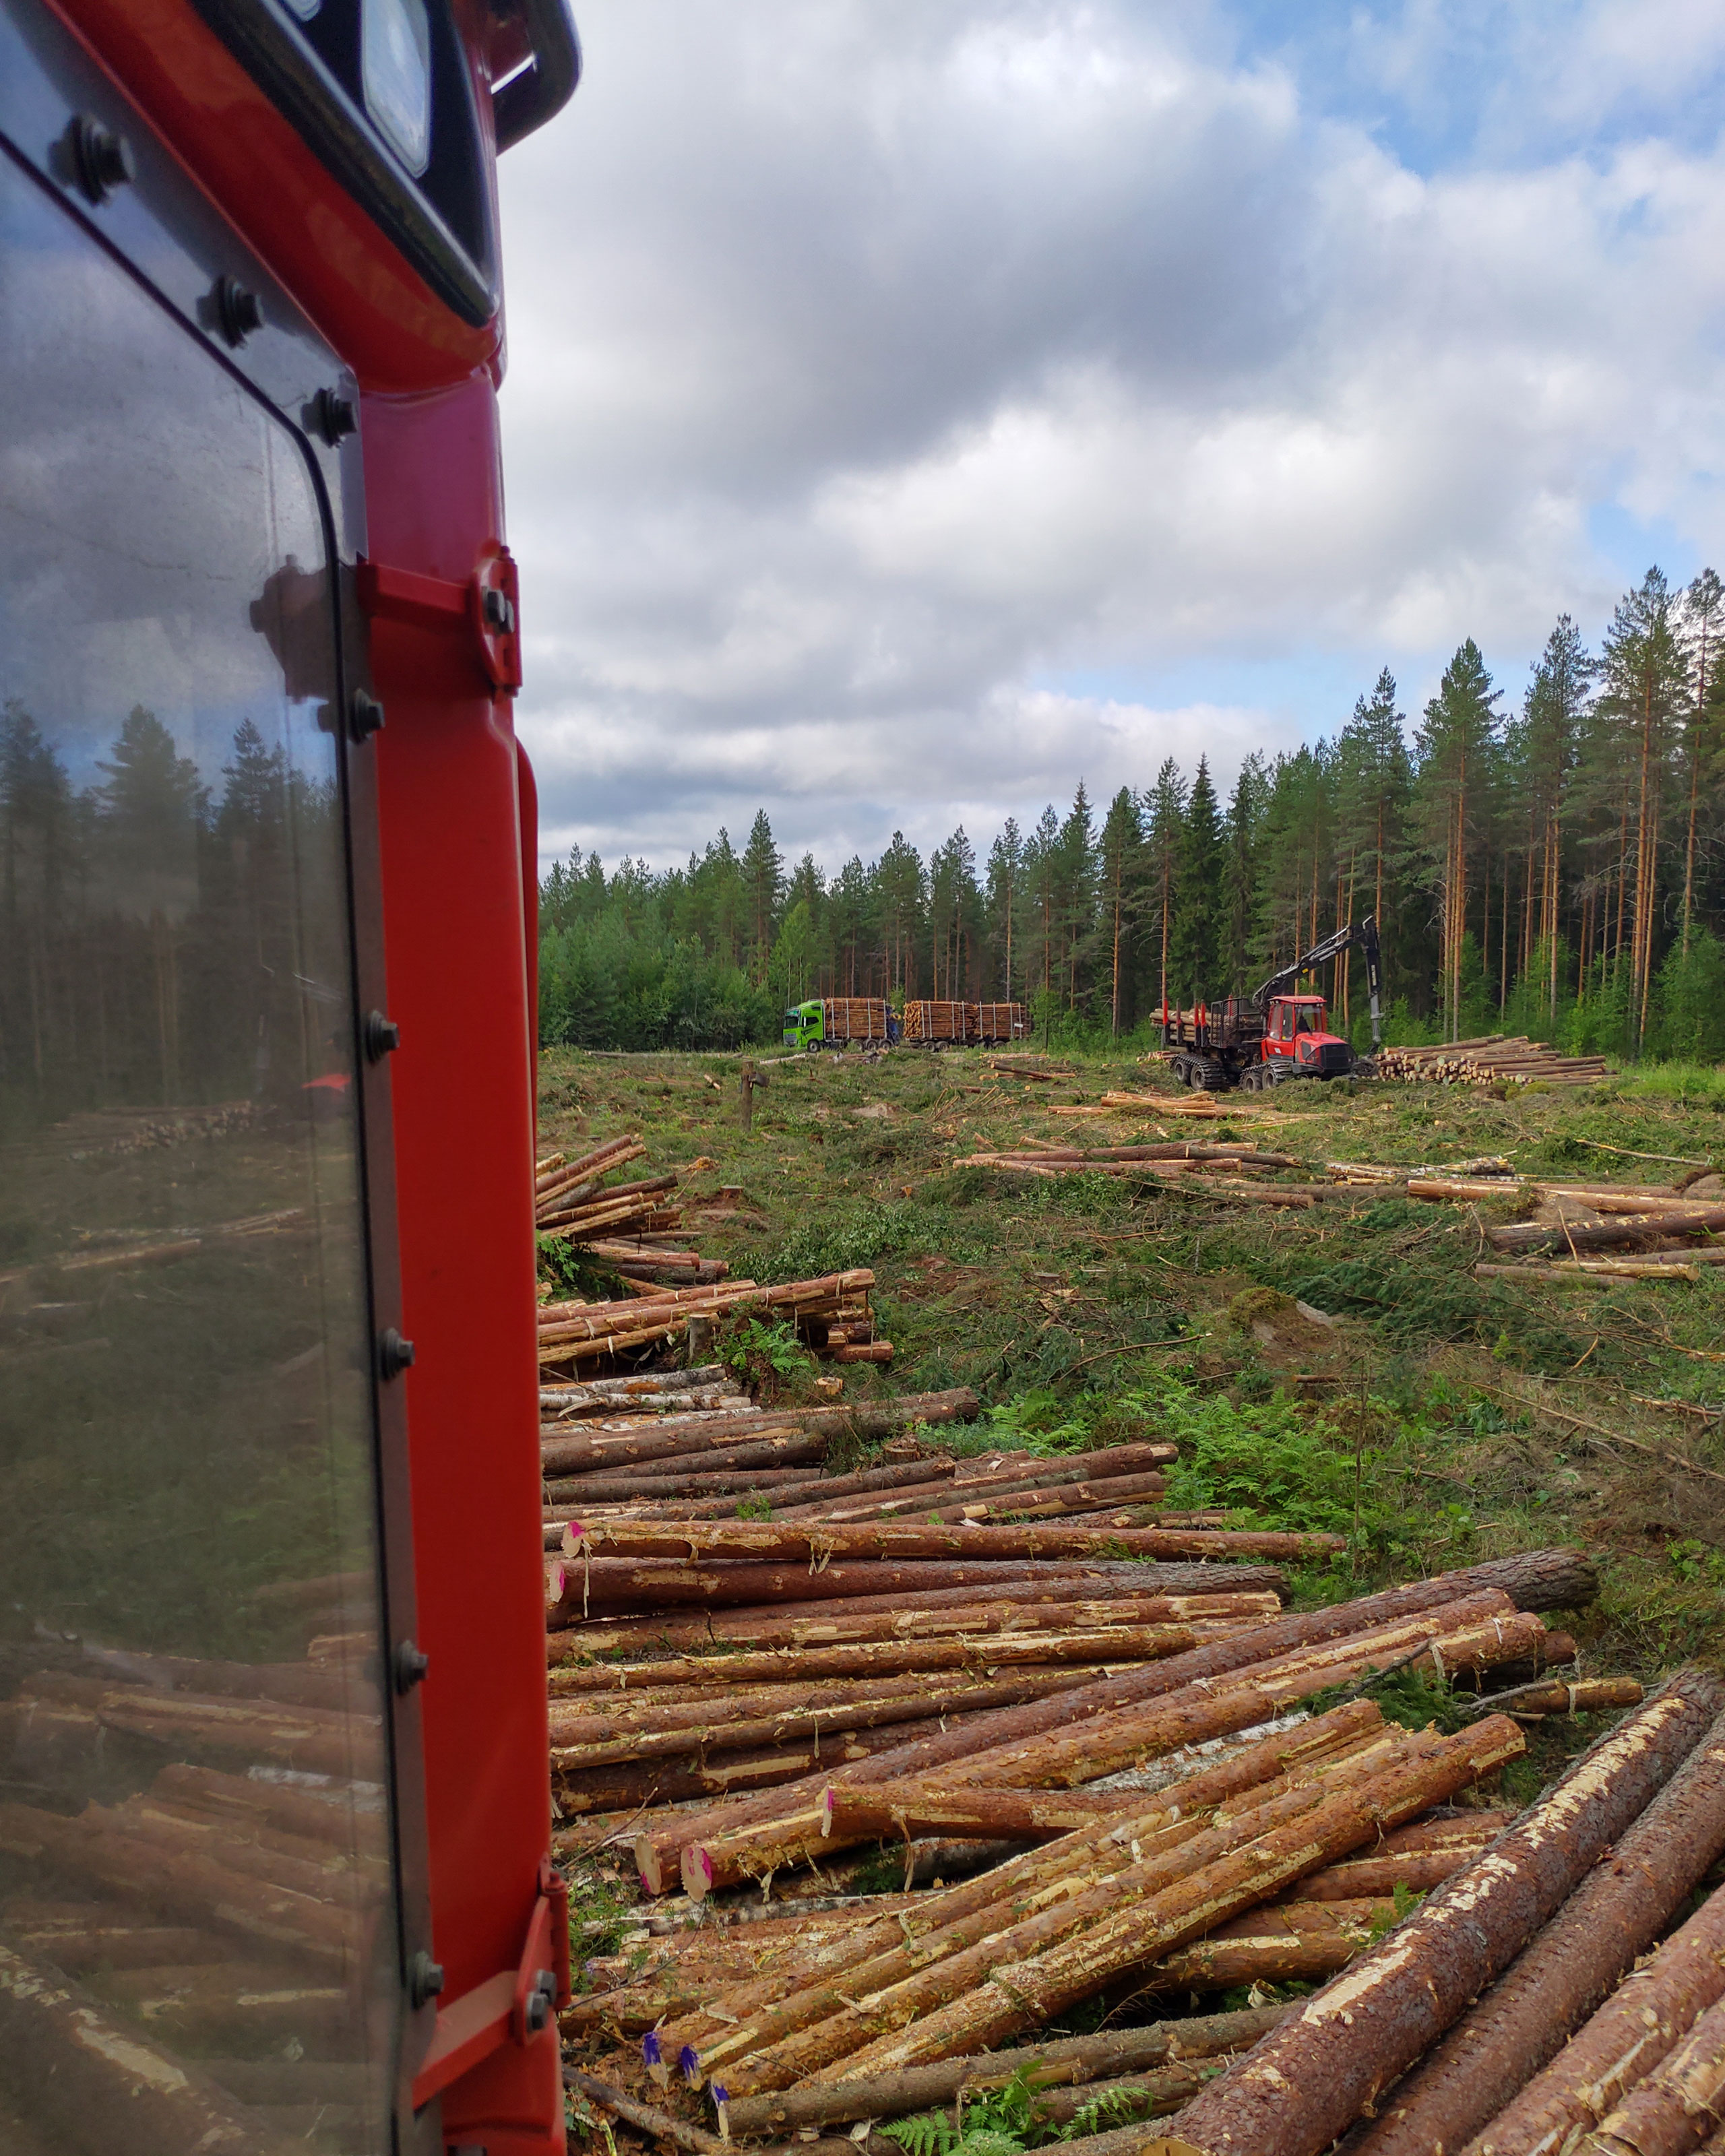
x: 274, y: 1808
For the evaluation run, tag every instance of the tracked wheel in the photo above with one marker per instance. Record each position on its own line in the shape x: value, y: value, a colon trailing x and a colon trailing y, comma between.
x: 1209, y: 1074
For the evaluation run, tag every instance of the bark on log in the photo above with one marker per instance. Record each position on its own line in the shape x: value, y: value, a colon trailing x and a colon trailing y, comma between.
x: 92, y: 2080
x: 1677, y: 2107
x: 1336, y: 1735
x: 1503, y: 2081
x: 1627, y: 1230
x: 904, y: 1617
x: 1018, y: 1726
x: 342, y: 1817
x: 1315, y: 2076
x: 1019, y: 1994
x: 621, y: 1583
x: 988, y: 1650
x: 1108, y: 1742
x: 771, y: 1441
x: 1066, y: 2062
x: 1052, y: 1894
x: 871, y: 1709
x: 1293, y: 1942
x: 661, y: 2125
x: 766, y: 1542
x: 722, y: 1775
x: 901, y: 1810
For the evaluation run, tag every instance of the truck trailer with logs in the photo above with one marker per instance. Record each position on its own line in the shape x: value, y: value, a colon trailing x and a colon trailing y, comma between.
x: 1260, y: 1040
x: 871, y: 1022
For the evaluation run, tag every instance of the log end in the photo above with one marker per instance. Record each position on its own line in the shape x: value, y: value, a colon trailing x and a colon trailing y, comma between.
x: 697, y: 1871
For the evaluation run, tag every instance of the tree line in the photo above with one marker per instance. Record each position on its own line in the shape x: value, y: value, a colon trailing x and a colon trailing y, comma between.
x: 1556, y: 866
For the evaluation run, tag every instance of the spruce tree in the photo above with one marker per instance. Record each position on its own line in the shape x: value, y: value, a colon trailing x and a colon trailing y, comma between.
x: 1195, y: 946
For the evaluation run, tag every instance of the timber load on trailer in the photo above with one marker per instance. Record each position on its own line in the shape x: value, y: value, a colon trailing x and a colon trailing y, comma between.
x: 938, y: 1025
x: 996, y: 1023
x: 1260, y: 1040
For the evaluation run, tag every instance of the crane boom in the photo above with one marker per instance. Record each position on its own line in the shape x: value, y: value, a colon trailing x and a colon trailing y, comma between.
x: 1363, y: 934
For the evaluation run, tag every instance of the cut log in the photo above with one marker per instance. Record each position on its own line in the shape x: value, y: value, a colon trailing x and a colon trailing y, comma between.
x: 721, y: 1775
x: 88, y: 2077
x: 990, y: 1650
x: 1204, y: 1664
x: 1295, y: 1941
x: 869, y: 1707
x: 1044, y: 1897
x: 184, y: 1889
x: 1678, y: 2105
x: 1019, y: 1994
x: 1066, y: 2062
x: 946, y: 1615
x: 768, y: 1541
x: 1316, y: 2074
x: 578, y: 1585
x: 1626, y: 1230
x: 1502, y: 2073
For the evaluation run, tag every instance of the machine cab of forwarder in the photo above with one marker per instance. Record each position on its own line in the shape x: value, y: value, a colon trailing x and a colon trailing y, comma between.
x: 249, y: 1875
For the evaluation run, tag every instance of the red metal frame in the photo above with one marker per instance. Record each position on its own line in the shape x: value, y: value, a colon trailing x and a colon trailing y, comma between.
x: 458, y: 851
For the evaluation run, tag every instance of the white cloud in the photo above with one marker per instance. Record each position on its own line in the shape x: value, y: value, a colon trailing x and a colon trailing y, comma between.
x: 874, y: 364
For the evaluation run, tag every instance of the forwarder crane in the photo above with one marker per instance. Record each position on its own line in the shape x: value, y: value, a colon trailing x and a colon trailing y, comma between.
x: 1258, y: 1041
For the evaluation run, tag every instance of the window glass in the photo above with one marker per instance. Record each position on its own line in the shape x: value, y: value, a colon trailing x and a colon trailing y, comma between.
x: 194, y: 1815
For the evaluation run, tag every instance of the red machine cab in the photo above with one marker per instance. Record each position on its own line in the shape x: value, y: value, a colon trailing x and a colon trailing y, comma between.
x: 273, y: 1816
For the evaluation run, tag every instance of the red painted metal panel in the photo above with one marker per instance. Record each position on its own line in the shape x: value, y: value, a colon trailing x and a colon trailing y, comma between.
x: 373, y: 307
x: 453, y: 849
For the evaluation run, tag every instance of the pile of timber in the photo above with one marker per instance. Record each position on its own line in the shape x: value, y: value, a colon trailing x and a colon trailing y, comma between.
x: 692, y: 1444
x: 1493, y: 1059
x: 572, y: 1200
x: 1233, y: 1170
x: 831, y: 1314
x: 1173, y: 1824
x: 680, y: 1471
x: 1573, y: 1218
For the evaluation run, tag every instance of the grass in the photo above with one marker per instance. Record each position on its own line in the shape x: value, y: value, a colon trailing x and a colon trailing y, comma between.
x: 1088, y: 1310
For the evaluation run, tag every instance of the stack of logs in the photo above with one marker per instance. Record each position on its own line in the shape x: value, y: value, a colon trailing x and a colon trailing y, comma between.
x: 692, y: 1444
x: 831, y: 1315
x: 1229, y: 1170
x: 1494, y: 1058
x: 572, y: 1200
x: 1163, y: 1820
x: 1671, y: 1225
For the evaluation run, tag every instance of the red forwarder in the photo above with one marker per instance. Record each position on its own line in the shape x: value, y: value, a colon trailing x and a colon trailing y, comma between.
x: 260, y: 645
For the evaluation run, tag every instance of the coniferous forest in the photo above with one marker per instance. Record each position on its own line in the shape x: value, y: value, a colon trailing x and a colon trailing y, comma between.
x: 1554, y: 865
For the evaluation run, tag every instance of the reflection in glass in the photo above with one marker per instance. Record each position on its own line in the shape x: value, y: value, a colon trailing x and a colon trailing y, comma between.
x: 194, y: 1826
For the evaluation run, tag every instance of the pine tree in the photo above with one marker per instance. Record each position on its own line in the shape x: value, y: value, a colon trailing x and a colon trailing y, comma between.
x: 1456, y: 742
x: 1003, y: 897
x: 1641, y: 686
x: 1553, y: 714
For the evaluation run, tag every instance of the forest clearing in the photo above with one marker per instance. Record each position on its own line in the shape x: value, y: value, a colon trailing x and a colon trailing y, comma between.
x: 1349, y: 1318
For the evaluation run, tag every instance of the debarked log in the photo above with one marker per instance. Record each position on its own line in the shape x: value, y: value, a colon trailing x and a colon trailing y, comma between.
x: 1316, y: 2074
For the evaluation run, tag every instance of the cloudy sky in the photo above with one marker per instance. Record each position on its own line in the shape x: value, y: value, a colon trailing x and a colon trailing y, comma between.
x: 916, y: 405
